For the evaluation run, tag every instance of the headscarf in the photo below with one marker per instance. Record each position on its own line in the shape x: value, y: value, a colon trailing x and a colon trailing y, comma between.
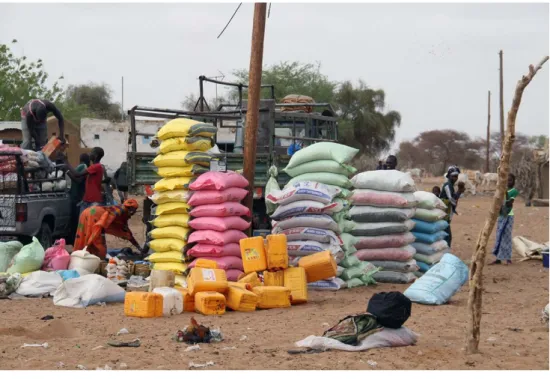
x: 451, y: 171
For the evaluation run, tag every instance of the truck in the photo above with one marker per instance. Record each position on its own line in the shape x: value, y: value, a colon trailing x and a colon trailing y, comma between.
x: 280, y: 126
x: 30, y: 204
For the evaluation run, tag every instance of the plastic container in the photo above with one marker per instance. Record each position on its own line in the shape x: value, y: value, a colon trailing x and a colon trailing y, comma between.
x: 205, y: 263
x: 272, y: 297
x: 276, y: 252
x: 253, y: 254
x: 240, y: 299
x: 244, y: 286
x: 252, y: 279
x: 295, y: 278
x: 172, y: 303
x: 276, y: 278
x: 161, y: 278
x: 318, y: 266
x: 188, y: 300
x: 143, y: 304
x: 206, y: 279
x: 53, y: 146
x: 210, y: 303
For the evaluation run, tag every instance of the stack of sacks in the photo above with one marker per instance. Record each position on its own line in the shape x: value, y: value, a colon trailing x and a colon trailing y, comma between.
x: 429, y: 230
x: 182, y: 157
x: 383, y: 204
x: 356, y: 273
x: 217, y: 220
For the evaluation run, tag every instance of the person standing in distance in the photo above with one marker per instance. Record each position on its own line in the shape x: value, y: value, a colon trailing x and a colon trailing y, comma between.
x: 391, y: 163
x: 34, y: 126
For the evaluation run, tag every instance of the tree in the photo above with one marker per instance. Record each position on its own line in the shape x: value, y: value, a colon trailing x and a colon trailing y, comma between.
x: 91, y: 100
x: 20, y: 81
x: 190, y: 101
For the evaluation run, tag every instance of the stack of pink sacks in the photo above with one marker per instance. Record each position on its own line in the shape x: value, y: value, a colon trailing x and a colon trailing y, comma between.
x: 217, y: 220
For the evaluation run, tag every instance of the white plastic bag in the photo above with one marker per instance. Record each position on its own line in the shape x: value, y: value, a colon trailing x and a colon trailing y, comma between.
x: 87, y: 290
x: 83, y: 260
x: 39, y: 283
x: 428, y: 200
x: 384, y: 180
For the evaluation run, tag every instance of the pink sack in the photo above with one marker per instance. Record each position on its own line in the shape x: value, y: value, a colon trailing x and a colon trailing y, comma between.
x: 210, y: 237
x: 217, y: 197
x: 383, y: 198
x: 219, y: 224
x: 202, y: 250
x: 214, y: 180
x: 56, y: 257
x: 380, y: 242
x: 400, y: 254
x: 225, y: 263
x: 233, y: 275
x: 220, y: 210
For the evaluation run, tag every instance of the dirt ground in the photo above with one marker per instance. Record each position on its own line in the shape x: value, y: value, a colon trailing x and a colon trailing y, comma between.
x: 513, y: 336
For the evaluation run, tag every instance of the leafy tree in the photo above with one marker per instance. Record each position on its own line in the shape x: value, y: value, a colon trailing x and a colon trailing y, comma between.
x: 20, y: 81
x: 190, y: 101
x: 91, y: 100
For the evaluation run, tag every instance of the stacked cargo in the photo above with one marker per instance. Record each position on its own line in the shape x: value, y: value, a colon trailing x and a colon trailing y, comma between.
x: 429, y: 230
x: 182, y: 157
x: 217, y: 220
x: 383, y: 205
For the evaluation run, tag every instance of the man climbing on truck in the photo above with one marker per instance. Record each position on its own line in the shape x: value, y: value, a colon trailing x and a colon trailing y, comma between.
x: 33, y: 123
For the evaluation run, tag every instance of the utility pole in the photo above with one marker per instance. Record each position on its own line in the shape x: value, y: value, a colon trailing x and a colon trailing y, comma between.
x: 488, y: 143
x: 501, y: 102
x: 254, y: 86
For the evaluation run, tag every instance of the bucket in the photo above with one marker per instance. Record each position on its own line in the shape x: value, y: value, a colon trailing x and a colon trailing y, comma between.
x: 545, y: 259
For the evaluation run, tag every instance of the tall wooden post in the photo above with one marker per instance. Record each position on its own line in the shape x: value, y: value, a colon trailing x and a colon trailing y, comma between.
x: 254, y: 86
x: 488, y: 142
x: 501, y: 95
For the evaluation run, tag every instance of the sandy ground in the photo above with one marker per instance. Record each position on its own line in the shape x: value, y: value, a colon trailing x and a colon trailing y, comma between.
x: 513, y: 336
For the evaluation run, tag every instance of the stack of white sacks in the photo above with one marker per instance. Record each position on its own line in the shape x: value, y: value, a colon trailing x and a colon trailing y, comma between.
x: 383, y: 205
x: 429, y: 230
x: 217, y: 220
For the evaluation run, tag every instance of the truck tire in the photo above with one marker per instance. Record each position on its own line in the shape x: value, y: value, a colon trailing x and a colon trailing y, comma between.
x: 45, y: 236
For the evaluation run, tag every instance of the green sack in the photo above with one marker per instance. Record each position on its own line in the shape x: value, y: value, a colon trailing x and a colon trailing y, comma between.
x: 355, y: 282
x: 349, y: 262
x: 8, y: 250
x: 321, y: 166
x: 29, y: 259
x: 325, y: 178
x: 322, y: 151
x: 349, y: 242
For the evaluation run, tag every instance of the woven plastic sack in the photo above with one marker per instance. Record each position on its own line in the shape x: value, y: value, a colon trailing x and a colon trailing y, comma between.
x: 224, y: 263
x: 170, y: 196
x: 177, y: 232
x: 408, y: 266
x: 171, y: 220
x: 271, y: 188
x: 394, y: 277
x: 183, y: 127
x: 429, y: 249
x: 337, y: 180
x: 357, y: 271
x: 429, y: 215
x: 348, y: 243
x: 322, y: 151
x: 429, y: 227
x: 440, y: 283
x: 182, y: 171
x: 219, y: 224
x: 186, y: 144
x: 312, y: 234
x: 219, y: 181
x: 329, y: 166
x: 7, y: 251
x: 349, y: 261
x: 321, y: 221
x: 430, y: 259
x: 384, y: 180
x: 333, y: 284
x: 220, y: 210
x: 305, y: 248
x: 381, y: 228
x: 88, y: 290
x: 427, y: 200
x: 217, y: 197
x: 303, y: 191
x: 305, y: 207
x: 430, y: 238
x: 383, y: 199
x: 29, y: 258
x: 210, y: 237
x: 167, y: 244
x: 366, y: 213
x: 182, y: 159
x: 400, y: 254
x: 169, y: 184
x: 380, y: 242
x: 175, y: 207
x: 202, y: 250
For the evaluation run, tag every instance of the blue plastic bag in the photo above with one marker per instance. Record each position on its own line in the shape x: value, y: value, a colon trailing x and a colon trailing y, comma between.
x: 68, y: 274
x: 429, y: 227
x: 430, y: 238
x: 440, y: 283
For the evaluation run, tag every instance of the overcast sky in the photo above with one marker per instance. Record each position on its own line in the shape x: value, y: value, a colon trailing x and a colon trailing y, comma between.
x: 435, y: 62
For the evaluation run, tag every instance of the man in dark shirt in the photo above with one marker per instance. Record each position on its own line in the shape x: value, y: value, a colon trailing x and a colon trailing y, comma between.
x: 33, y: 123
x: 380, y: 166
x: 76, y: 193
x: 391, y: 162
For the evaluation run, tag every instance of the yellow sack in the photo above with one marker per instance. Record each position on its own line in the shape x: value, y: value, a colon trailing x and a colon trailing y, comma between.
x: 183, y: 127
x: 187, y: 144
x: 176, y: 172
x: 167, y: 257
x: 182, y: 158
x: 171, y: 220
x: 177, y: 268
x: 172, y: 208
x: 169, y: 184
x: 170, y: 232
x: 167, y: 244
x: 170, y: 196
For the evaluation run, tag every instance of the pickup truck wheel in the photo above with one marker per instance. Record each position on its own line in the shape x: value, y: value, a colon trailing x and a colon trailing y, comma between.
x: 45, y: 236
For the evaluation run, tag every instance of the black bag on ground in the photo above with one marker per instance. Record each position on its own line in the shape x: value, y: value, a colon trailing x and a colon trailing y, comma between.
x: 391, y: 309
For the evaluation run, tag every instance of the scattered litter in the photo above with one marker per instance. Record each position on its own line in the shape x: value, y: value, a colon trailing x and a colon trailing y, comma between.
x: 122, y: 366
x: 46, y: 318
x: 197, y: 333
x: 243, y: 338
x: 44, y: 345
x: 122, y: 331
x: 98, y: 347
x: 134, y: 343
x: 372, y: 363
x: 229, y: 348
x: 107, y: 367
x: 200, y: 365
x: 193, y: 348
x: 81, y: 367
x: 491, y: 339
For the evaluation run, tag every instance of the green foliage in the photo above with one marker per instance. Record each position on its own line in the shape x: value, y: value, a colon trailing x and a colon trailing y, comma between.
x: 90, y: 100
x: 20, y: 81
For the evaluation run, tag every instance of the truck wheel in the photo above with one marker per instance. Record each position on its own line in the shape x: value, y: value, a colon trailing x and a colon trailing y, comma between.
x: 45, y: 236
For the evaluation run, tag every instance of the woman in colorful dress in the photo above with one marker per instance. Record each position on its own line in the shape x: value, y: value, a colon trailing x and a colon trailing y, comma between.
x: 503, y: 244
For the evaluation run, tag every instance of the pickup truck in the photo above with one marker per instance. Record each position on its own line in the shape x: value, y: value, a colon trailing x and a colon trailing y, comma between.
x: 31, y: 206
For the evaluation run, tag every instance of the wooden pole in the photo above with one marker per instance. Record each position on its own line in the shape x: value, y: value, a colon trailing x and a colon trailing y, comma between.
x: 254, y: 86
x: 501, y: 95
x: 478, y: 258
x: 488, y: 142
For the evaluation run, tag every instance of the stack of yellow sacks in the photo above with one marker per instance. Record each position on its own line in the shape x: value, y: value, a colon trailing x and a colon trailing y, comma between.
x: 182, y: 157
